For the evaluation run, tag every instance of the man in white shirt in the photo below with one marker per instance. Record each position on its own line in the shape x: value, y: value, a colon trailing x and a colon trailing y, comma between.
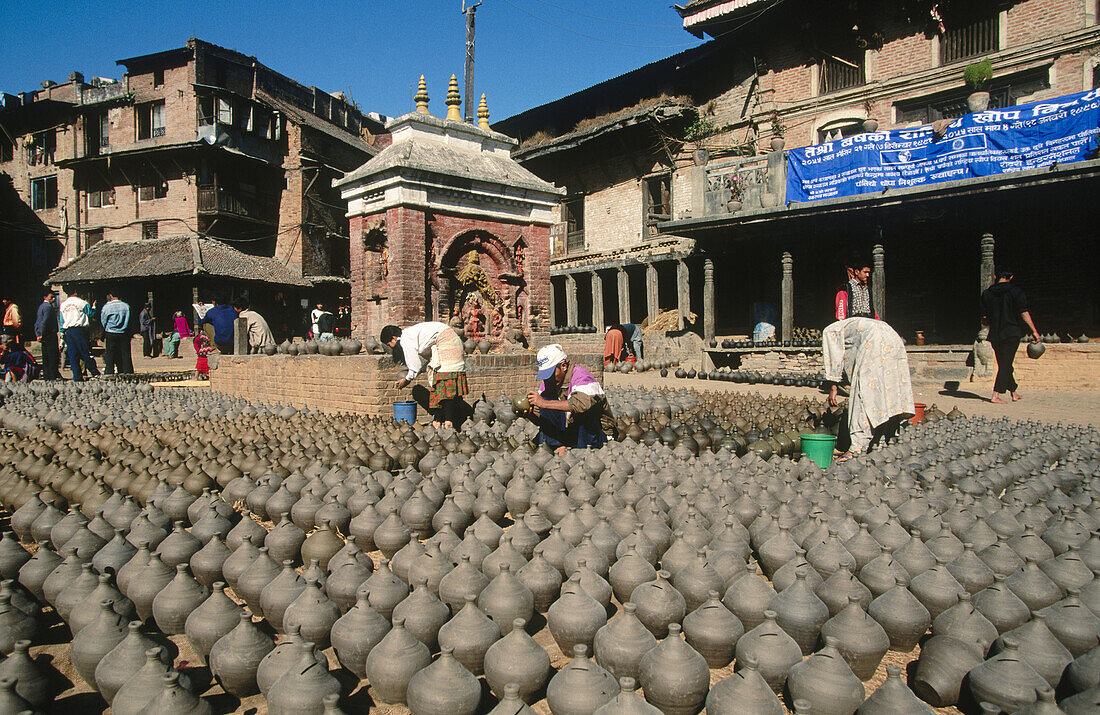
x: 322, y: 323
x: 259, y: 333
x: 75, y: 313
x: 441, y: 348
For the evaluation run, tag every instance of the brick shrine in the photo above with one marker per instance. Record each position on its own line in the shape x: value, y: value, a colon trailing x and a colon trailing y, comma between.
x: 446, y: 226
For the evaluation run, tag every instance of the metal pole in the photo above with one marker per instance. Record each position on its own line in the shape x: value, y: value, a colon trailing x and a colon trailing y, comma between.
x: 470, y: 108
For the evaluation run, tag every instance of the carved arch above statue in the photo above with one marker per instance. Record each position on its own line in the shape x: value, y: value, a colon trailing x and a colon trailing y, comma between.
x: 478, y: 240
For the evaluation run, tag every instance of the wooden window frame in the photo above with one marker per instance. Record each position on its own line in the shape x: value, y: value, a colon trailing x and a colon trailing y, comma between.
x: 651, y: 218
x: 149, y: 231
x: 971, y: 35
x: 843, y: 76
x: 41, y: 199
x: 146, y: 116
x: 574, y: 237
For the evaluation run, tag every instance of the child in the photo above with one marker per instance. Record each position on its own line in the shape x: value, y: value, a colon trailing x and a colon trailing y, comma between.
x: 203, y: 347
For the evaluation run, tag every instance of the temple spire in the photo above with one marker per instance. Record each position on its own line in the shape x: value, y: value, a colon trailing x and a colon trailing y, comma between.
x: 422, y: 97
x: 454, y: 100
x: 483, y: 113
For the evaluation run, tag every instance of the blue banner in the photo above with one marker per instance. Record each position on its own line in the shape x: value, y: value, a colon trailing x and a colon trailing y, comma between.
x: 997, y: 141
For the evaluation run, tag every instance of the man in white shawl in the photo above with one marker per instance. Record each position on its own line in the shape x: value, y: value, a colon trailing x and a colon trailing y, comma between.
x: 873, y: 357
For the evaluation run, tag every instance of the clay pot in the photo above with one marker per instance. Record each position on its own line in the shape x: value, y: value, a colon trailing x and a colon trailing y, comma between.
x: 713, y: 631
x: 33, y: 574
x: 621, y: 643
x: 510, y: 703
x: 581, y: 687
x: 1006, y: 680
x: 385, y: 590
x: 174, y: 699
x: 542, y: 579
x: 355, y: 633
x: 902, y: 616
x: 674, y: 676
x: 235, y: 657
x: 206, y: 563
x: 423, y: 614
x: 178, y: 547
x: 506, y: 599
x: 321, y: 545
x: 279, y: 593
x: 216, y: 616
x: 517, y: 659
x: 773, y: 650
x: 392, y: 663
x: 470, y: 633
x: 175, y: 602
x: 313, y: 613
x: 744, y: 691
x: 800, y: 613
x: 444, y: 687
x: 125, y: 659
x: 1039, y: 648
x: 826, y: 682
x: 33, y: 681
x: 944, y: 662
x: 893, y: 696
x: 659, y: 604
x: 83, y: 613
x: 95, y: 641
x: 575, y: 616
x: 282, y: 658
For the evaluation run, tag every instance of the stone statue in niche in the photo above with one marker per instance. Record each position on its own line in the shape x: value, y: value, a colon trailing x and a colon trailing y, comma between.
x: 472, y: 277
x: 497, y: 319
x: 472, y: 320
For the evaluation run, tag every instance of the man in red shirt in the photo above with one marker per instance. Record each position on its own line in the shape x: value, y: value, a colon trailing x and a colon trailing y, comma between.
x: 853, y: 298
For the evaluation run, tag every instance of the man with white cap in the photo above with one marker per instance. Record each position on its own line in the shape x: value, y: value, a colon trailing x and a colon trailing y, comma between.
x: 573, y: 409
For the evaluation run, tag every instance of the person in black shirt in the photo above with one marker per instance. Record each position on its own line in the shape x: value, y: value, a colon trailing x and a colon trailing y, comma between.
x: 1005, y: 311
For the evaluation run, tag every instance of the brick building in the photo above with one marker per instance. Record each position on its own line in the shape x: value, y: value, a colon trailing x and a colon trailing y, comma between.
x: 193, y: 141
x: 446, y: 226
x: 648, y: 157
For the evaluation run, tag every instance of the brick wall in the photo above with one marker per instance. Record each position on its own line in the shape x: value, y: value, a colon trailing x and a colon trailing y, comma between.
x: 1064, y: 366
x: 365, y: 383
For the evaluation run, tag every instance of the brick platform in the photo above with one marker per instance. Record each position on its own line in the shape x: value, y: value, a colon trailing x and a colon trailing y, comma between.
x: 365, y: 383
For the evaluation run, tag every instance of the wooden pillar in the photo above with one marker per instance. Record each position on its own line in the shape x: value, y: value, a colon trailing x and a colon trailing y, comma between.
x: 624, y: 294
x: 986, y: 278
x: 786, y: 318
x: 597, y: 301
x: 570, y: 299
x: 553, y: 306
x: 652, y: 297
x: 878, y: 280
x: 708, y: 299
x: 683, y: 294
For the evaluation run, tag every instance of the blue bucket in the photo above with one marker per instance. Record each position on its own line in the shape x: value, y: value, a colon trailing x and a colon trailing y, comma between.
x: 405, y: 411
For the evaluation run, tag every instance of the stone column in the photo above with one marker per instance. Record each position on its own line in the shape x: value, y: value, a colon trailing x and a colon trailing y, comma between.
x: 240, y: 336
x: 986, y: 278
x: 570, y: 299
x: 553, y: 306
x: 683, y: 294
x: 624, y: 294
x: 652, y: 298
x: 597, y: 301
x: 708, y: 299
x: 878, y: 280
x: 786, y: 318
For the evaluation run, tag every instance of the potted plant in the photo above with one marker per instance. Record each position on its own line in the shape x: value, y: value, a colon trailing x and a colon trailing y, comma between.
x: 778, y: 130
x: 977, y: 76
x: 736, y: 185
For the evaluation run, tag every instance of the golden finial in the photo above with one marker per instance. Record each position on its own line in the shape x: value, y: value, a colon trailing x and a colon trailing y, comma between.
x: 483, y: 113
x: 454, y: 99
x: 422, y: 97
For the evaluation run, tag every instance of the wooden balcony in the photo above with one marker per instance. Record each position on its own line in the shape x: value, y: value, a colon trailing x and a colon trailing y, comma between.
x: 262, y: 208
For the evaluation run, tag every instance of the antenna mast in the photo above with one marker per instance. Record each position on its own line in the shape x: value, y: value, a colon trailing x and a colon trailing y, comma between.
x: 470, y: 12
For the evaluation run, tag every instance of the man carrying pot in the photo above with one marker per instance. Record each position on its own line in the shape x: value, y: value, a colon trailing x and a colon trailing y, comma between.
x: 572, y: 407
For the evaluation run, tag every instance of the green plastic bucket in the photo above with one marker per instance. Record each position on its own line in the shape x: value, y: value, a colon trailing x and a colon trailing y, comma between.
x: 819, y: 447
x: 405, y: 411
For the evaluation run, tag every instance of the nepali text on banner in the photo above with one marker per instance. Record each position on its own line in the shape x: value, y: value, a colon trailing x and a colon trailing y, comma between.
x: 997, y: 141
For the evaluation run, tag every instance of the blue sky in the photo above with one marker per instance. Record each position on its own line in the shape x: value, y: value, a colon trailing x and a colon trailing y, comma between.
x: 528, y: 51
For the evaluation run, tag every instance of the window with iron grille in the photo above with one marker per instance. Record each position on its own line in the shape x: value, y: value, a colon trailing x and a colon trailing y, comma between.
x: 969, y: 34
x: 148, y: 230
x: 1004, y: 91
x: 100, y: 195
x: 150, y: 120
x: 573, y: 213
x: 839, y: 73
x: 44, y: 193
